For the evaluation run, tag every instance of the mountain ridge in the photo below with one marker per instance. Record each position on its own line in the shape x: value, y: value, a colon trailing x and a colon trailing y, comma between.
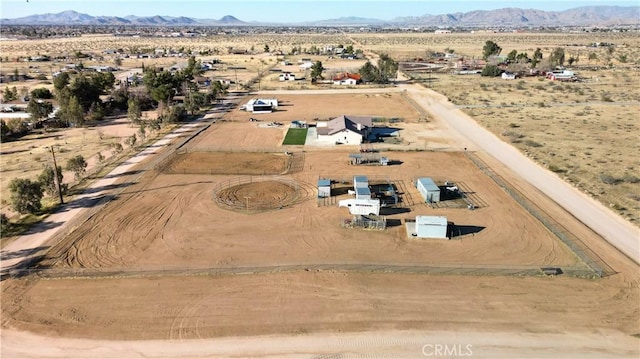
x: 509, y: 17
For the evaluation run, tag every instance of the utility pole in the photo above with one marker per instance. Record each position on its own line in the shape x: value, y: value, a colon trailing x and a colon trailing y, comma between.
x: 55, y: 176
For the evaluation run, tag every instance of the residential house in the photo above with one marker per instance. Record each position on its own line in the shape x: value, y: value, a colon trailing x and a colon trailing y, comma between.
x: 345, y: 129
x: 346, y: 78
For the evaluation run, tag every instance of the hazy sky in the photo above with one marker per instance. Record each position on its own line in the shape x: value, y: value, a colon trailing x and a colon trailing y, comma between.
x: 281, y: 11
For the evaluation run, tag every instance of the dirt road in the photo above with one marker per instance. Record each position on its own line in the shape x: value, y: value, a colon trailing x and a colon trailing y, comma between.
x: 386, y: 344
x: 617, y: 231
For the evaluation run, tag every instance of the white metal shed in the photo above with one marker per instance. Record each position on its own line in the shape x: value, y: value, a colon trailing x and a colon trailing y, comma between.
x: 431, y: 227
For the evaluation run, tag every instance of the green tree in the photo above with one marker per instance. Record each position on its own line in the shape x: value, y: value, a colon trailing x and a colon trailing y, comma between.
x: 592, y: 56
x: 61, y: 81
x: 96, y: 112
x: 194, y: 68
x: 490, y: 48
x: 5, y: 131
x: 25, y: 195
x: 266, y: 48
x: 369, y: 73
x: 47, y: 181
x: 77, y: 165
x: 556, y: 58
x: 134, y: 114
x: 388, y: 68
x: 72, y: 112
x: 316, y: 71
x: 491, y: 71
x: 86, y: 90
x: 39, y: 109
x: 42, y: 93
x: 9, y: 94
x: 511, y: 57
x: 161, y: 85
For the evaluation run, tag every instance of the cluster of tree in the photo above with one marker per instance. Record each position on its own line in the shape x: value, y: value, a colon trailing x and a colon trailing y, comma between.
x: 79, y: 98
x: 519, y: 61
x: 26, y: 195
x: 386, y: 70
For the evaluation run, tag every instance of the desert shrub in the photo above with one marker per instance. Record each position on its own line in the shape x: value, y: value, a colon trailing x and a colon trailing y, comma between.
x: 608, y: 179
x: 606, y: 97
x: 491, y: 71
x: 25, y: 195
x: 630, y: 179
x: 555, y: 168
x: 532, y: 143
x: 514, y: 136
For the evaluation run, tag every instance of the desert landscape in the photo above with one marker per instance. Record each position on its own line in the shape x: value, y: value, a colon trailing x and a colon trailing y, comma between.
x: 221, y: 234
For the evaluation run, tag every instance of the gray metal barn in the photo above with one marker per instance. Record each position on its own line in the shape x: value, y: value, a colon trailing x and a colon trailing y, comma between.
x: 428, y: 189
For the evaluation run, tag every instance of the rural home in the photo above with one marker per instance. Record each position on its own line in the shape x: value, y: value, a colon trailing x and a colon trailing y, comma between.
x: 345, y: 130
x: 346, y: 79
x: 508, y: 76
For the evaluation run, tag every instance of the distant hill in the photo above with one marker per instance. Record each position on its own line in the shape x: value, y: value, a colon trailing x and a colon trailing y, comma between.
x: 507, y: 17
x: 515, y: 17
x: 75, y: 18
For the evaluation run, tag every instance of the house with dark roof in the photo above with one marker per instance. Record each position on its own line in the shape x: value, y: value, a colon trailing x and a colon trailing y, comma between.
x: 352, y: 130
x: 346, y: 78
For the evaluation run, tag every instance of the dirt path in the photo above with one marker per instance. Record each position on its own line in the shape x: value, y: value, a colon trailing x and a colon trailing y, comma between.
x: 385, y: 344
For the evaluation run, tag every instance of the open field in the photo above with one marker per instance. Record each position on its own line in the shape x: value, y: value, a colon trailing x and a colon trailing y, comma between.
x: 178, y: 254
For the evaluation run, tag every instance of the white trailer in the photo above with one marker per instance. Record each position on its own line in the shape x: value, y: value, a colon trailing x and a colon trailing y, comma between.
x: 365, y: 207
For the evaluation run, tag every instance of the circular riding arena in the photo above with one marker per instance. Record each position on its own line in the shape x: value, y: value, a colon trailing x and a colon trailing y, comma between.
x: 259, y: 194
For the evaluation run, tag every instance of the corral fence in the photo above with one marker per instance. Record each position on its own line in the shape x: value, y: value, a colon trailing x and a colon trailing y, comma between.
x: 437, y: 269
x: 252, y: 205
x: 577, y: 246
x: 294, y: 163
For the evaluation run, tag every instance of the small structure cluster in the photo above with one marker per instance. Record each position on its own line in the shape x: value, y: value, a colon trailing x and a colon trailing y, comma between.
x: 363, y: 203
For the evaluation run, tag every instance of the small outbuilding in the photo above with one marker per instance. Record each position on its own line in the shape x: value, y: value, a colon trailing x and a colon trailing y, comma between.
x: 324, y: 188
x: 428, y: 189
x: 431, y: 227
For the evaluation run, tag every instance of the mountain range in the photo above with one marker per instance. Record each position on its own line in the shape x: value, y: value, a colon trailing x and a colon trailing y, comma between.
x: 507, y: 17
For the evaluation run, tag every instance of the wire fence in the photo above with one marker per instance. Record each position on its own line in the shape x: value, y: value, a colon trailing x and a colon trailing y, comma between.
x: 577, y: 246
x: 437, y: 269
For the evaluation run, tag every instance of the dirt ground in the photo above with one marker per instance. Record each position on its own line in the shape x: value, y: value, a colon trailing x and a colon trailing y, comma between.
x: 172, y: 221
